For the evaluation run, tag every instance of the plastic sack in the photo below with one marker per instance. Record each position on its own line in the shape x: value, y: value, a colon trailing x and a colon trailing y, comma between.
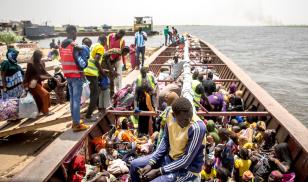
x: 117, y: 167
x: 8, y: 109
x: 85, y: 95
x: 27, y: 107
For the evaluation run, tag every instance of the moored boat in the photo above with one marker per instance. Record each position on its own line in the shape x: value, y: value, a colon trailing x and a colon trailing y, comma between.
x: 288, y: 128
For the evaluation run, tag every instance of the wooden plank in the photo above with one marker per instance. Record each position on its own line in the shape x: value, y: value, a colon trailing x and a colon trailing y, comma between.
x: 44, y: 121
x: 246, y: 94
x: 35, y: 126
x: 282, y: 135
x: 273, y: 124
x: 249, y: 101
x: 301, y: 167
x: 224, y: 71
x: 48, y: 161
x: 5, y: 125
x: 294, y: 148
x: 96, y: 132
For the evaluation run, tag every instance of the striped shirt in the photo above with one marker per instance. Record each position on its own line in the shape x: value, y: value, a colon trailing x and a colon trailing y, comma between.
x: 139, y: 39
x: 191, y: 158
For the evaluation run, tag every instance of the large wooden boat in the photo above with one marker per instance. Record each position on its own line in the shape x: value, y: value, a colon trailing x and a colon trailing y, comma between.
x: 288, y: 128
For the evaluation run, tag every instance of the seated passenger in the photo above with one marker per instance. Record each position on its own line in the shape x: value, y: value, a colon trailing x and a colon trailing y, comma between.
x: 177, y: 157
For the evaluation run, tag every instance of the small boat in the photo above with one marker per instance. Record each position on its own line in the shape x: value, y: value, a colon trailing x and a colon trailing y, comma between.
x: 288, y: 128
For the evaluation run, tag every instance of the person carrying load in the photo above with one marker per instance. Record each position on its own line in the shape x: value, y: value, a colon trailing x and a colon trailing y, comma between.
x: 69, y: 53
x: 115, y: 40
x: 109, y: 64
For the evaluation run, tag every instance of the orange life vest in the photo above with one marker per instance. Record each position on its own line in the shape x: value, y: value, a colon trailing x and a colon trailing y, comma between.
x: 69, y: 66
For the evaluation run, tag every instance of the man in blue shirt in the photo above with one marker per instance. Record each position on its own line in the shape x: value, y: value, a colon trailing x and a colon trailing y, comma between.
x: 140, y: 38
x: 180, y: 154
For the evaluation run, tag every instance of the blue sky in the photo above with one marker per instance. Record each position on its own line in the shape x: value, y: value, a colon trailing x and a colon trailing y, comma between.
x: 121, y: 12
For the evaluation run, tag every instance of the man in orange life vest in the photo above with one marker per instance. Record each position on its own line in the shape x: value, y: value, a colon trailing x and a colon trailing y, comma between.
x: 69, y: 52
x: 115, y: 40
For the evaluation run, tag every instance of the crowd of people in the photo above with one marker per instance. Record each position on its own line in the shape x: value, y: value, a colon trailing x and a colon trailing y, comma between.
x: 97, y: 65
x: 172, y: 36
x: 177, y: 145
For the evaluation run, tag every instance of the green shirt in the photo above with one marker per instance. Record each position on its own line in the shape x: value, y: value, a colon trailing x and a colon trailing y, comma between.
x: 9, y: 68
x: 166, y: 31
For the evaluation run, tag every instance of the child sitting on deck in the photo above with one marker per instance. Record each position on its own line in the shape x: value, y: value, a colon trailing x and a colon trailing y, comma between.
x: 242, y: 164
x: 61, y: 85
x: 209, y: 172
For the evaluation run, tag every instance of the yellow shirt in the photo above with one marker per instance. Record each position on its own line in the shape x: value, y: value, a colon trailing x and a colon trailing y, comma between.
x: 91, y: 69
x: 178, y: 136
x: 97, y: 49
x: 207, y: 176
x: 242, y: 165
x: 248, y: 145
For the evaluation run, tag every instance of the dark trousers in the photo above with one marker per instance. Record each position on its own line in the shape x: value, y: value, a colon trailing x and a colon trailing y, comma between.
x: 93, y: 95
x: 142, y: 51
x: 166, y: 40
x: 179, y: 175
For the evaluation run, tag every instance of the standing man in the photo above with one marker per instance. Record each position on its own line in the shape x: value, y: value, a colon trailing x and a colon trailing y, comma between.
x: 92, y: 72
x: 140, y: 38
x: 146, y: 86
x: 69, y: 53
x: 166, y: 34
x: 111, y: 64
x: 52, y: 44
x: 180, y: 154
x: 115, y: 40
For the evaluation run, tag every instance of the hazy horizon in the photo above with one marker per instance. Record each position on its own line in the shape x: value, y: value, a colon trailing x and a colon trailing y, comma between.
x: 192, y: 12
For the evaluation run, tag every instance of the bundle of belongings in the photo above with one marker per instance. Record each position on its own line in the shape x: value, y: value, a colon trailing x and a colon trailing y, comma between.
x: 8, y: 109
x: 124, y: 98
x: 114, y: 151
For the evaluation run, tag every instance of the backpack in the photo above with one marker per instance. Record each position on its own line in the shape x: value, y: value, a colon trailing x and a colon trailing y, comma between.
x: 84, y: 55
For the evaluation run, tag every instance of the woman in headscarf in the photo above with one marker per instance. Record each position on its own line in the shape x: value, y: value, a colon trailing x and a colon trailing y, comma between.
x: 35, y: 75
x: 216, y: 102
x: 258, y: 135
x: 212, y: 131
x: 11, y: 75
x: 232, y: 88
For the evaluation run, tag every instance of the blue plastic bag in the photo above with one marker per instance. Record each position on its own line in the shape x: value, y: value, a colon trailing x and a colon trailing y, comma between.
x: 104, y: 82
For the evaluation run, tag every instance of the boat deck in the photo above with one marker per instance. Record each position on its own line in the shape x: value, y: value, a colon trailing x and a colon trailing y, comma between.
x: 34, y: 135
x: 288, y: 128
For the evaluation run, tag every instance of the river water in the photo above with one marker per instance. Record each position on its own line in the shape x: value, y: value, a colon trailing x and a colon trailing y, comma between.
x: 275, y: 57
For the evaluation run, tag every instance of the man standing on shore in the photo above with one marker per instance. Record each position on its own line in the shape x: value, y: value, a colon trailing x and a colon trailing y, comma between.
x: 166, y: 33
x: 115, y: 40
x: 69, y: 53
x: 140, y: 38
